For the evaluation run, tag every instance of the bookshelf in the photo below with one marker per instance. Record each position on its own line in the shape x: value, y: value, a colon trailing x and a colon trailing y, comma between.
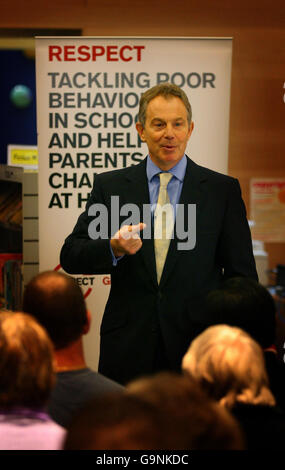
x: 18, y: 233
x: 11, y: 229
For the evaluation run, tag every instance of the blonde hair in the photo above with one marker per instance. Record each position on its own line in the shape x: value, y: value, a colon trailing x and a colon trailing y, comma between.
x: 230, y: 366
x: 26, y: 361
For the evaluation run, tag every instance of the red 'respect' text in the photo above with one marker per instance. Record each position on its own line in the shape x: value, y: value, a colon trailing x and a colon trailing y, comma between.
x: 86, y: 53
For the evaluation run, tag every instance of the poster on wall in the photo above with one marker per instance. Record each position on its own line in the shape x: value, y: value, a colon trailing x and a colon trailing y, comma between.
x: 88, y: 92
x: 267, y: 209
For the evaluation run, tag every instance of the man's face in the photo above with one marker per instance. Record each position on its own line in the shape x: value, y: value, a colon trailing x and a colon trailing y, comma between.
x: 166, y: 130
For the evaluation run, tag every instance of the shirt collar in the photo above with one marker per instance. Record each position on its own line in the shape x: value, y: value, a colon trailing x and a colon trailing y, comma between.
x: 178, y: 170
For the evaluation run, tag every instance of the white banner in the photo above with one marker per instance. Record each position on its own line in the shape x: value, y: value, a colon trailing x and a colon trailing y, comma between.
x: 88, y: 92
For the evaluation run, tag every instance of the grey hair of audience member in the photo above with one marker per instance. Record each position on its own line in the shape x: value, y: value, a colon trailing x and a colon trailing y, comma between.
x: 229, y: 365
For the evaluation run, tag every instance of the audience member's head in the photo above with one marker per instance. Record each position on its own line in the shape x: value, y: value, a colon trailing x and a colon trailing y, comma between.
x: 244, y: 303
x: 191, y: 418
x: 229, y: 365
x: 114, y: 422
x: 26, y: 362
x: 164, y: 412
x: 57, y: 302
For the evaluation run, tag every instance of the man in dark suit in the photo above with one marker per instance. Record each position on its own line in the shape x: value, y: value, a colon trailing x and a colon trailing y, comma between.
x: 156, y: 287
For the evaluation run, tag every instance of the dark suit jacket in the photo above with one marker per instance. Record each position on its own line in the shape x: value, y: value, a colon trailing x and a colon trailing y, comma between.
x: 137, y: 307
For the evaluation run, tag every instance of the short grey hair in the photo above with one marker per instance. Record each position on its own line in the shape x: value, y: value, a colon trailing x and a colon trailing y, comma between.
x: 167, y: 90
x: 229, y: 365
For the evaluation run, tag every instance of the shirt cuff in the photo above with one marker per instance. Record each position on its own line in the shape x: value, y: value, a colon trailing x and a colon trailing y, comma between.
x: 114, y: 259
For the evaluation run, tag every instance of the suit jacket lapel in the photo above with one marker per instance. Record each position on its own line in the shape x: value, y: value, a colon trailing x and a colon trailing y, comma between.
x: 137, y: 192
x: 191, y: 194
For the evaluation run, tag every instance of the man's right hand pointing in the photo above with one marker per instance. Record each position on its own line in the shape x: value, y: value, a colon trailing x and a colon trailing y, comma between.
x: 127, y: 240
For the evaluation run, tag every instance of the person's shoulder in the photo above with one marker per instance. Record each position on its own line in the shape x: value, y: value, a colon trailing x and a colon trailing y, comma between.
x: 103, y: 381
x: 214, y: 179
x: 211, y: 174
x: 86, y: 377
